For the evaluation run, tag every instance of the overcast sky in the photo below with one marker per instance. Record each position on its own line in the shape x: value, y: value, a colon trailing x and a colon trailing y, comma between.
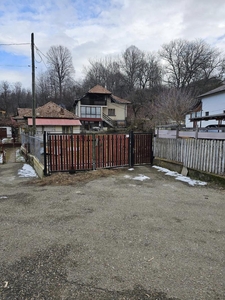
x: 91, y: 29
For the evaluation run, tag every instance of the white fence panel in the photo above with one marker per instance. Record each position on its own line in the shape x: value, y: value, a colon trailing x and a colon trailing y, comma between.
x: 171, y: 134
x: 202, y: 155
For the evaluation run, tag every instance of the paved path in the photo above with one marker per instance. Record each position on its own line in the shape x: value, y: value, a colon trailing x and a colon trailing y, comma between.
x: 111, y: 238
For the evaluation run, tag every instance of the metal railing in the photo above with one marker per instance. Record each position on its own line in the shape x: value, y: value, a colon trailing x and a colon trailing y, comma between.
x: 108, y: 120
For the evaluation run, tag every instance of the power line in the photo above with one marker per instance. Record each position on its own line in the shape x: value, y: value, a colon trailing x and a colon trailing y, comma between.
x: 14, y: 66
x: 39, y: 52
x: 40, y: 58
x: 17, y: 44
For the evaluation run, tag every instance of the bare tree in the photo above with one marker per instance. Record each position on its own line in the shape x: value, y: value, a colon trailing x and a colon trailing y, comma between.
x: 107, y: 73
x: 131, y: 63
x: 60, y: 66
x: 173, y: 104
x: 188, y: 62
x: 44, y: 91
x: 18, y: 97
x: 138, y: 99
x: 5, y: 97
x: 150, y: 72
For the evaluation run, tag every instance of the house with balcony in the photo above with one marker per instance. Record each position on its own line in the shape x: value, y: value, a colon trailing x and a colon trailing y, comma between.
x: 99, y: 109
x: 209, y: 111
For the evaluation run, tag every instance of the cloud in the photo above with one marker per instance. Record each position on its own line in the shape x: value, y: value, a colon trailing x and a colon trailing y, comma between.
x: 92, y: 29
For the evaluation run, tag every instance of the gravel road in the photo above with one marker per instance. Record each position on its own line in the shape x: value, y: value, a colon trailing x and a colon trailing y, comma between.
x: 110, y: 237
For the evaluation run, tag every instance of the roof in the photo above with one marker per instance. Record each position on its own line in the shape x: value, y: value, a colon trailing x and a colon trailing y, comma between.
x: 53, y: 122
x: 98, y: 89
x: 22, y: 112
x: 48, y: 110
x: 120, y: 100
x: 214, y: 91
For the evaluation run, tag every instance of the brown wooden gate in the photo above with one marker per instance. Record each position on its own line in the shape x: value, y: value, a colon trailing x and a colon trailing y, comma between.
x: 142, y: 149
x: 3, y: 133
x: 78, y: 152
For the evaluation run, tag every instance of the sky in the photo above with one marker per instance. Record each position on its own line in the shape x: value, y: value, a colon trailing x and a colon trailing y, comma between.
x: 93, y: 29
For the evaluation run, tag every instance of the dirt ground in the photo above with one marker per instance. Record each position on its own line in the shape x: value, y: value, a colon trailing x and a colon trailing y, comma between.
x: 104, y: 235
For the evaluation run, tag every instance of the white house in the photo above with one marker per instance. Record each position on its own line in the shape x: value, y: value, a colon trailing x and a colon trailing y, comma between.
x: 210, y: 109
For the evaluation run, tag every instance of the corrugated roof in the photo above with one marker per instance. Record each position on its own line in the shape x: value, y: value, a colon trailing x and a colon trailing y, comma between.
x: 120, y: 100
x: 98, y: 89
x: 54, y: 122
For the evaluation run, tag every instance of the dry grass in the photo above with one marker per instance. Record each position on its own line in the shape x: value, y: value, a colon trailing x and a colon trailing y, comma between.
x: 65, y: 178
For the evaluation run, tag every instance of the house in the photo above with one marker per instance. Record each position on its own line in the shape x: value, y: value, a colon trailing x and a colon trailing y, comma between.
x: 210, y: 109
x: 2, y: 112
x: 5, y: 132
x: 100, y: 109
x: 50, y: 117
x: 8, y: 128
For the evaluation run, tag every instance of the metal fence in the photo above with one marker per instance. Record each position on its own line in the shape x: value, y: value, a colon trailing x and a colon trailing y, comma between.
x: 33, y: 145
x: 93, y: 151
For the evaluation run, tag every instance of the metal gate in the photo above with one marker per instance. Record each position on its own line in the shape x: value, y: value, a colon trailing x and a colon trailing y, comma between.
x: 78, y: 152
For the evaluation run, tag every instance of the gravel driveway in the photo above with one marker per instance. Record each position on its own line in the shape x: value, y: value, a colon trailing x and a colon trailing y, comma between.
x: 110, y: 237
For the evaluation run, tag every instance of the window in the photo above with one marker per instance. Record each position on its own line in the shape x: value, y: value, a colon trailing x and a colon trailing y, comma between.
x: 67, y: 129
x: 111, y: 112
x: 90, y: 112
x: 206, y: 113
x: 196, y: 114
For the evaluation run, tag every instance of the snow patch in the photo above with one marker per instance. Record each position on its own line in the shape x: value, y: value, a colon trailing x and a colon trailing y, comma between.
x: 3, y: 197
x: 126, y: 176
x: 27, y: 171
x: 141, y: 177
x: 131, y: 169
x: 180, y: 177
x: 19, y: 157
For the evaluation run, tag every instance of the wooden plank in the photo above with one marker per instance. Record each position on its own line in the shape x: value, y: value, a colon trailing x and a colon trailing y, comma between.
x: 171, y: 134
x: 203, y: 155
x: 223, y: 158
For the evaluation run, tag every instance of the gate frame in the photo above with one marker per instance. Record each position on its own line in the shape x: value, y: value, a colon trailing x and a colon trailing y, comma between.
x: 131, y: 151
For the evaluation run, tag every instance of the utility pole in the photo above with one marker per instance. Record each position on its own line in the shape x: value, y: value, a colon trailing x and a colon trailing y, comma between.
x: 33, y: 85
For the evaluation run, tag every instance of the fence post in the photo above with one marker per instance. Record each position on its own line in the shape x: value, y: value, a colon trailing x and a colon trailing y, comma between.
x: 152, y: 145
x: 72, y: 169
x: 196, y: 132
x: 45, y: 154
x: 131, y: 149
x: 93, y: 152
